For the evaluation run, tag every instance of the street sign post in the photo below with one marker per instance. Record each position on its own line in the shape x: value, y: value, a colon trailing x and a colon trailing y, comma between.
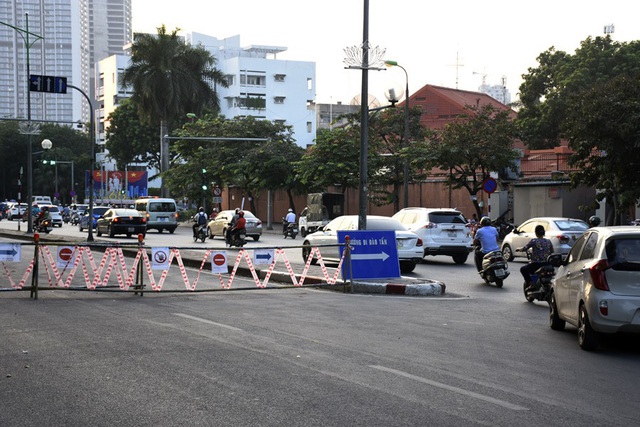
x: 49, y: 84
x: 374, y: 254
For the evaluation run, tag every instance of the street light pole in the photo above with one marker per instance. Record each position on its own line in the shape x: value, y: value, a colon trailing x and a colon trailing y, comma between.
x: 405, y: 171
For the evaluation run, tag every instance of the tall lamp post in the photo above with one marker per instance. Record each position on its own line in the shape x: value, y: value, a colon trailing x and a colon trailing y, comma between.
x: 24, y: 33
x: 405, y: 171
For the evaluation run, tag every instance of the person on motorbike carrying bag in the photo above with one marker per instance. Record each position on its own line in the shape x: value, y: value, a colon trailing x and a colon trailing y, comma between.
x: 200, y: 218
x: 485, y: 240
x: 42, y: 215
x: 541, y: 248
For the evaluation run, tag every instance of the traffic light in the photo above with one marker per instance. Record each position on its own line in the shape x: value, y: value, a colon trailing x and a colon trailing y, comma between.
x: 49, y: 162
x: 204, y: 179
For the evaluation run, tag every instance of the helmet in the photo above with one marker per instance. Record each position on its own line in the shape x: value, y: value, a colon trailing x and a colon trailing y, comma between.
x: 290, y: 210
x: 485, y: 221
x: 594, y: 221
x: 201, y: 209
x: 237, y: 210
x: 44, y: 208
x: 240, y: 213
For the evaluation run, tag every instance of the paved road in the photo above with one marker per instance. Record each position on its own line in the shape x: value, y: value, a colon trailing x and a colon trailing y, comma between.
x: 304, y: 357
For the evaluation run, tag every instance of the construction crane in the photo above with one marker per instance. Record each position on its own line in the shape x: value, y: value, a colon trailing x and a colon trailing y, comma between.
x: 484, y: 77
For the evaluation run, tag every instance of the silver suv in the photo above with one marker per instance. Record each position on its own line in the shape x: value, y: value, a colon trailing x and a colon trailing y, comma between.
x: 443, y: 231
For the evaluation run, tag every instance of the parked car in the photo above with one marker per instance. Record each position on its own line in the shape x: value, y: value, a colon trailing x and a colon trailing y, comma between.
x: 563, y: 233
x: 410, y: 250
x: 17, y: 210
x: 596, y: 286
x: 54, y: 213
x: 121, y: 221
x: 98, y: 211
x: 219, y: 225
x: 443, y: 231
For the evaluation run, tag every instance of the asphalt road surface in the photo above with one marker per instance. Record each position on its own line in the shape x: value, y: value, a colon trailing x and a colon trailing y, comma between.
x: 304, y: 357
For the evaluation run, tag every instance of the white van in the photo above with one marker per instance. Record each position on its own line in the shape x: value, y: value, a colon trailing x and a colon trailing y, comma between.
x: 42, y: 200
x: 161, y: 214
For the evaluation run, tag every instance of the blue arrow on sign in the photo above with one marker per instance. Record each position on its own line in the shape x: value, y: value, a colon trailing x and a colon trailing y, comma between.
x: 11, y: 252
x: 264, y: 255
x: 374, y: 254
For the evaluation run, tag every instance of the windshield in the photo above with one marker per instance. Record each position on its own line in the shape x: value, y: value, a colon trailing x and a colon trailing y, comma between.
x: 162, y: 207
x: 624, y: 254
x: 571, y: 225
x: 447, y: 218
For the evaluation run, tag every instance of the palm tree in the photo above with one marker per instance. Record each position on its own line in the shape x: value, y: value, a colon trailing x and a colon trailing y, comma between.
x: 170, y: 79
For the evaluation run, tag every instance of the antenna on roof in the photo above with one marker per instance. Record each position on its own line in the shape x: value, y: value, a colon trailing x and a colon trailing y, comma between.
x: 457, y: 65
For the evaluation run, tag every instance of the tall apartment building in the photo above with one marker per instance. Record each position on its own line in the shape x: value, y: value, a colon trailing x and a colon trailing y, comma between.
x: 74, y: 34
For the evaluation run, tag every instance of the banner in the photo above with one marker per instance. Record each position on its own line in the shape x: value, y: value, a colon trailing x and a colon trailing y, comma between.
x: 118, y: 184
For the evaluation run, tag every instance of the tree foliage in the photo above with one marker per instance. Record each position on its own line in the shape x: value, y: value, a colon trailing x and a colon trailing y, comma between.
x: 547, y: 88
x: 469, y: 149
x: 603, y: 128
x: 129, y: 140
x: 253, y: 165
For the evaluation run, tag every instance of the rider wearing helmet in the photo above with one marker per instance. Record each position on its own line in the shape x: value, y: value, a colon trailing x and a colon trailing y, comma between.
x: 239, y: 225
x: 485, y: 240
x: 289, y: 218
x: 199, y: 219
x: 594, y: 221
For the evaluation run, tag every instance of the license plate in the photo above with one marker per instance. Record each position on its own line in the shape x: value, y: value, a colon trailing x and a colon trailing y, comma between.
x: 399, y: 244
x: 163, y: 218
x: 499, y: 272
x: 131, y: 229
x: 452, y: 234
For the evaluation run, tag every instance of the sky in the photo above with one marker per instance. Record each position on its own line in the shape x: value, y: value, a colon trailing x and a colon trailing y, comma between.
x: 455, y: 44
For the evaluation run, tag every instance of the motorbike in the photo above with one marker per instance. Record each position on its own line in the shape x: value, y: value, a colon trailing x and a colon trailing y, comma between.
x: 290, y: 230
x: 237, y: 239
x: 66, y: 218
x: 540, y: 289
x: 44, y: 226
x: 201, y: 233
x: 75, y: 218
x: 494, y: 268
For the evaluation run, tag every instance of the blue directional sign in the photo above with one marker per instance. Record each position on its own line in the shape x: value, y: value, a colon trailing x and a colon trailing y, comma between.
x: 374, y: 254
x: 49, y: 84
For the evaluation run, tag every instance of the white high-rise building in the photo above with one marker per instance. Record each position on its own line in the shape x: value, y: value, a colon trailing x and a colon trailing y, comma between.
x: 75, y: 33
x: 262, y: 86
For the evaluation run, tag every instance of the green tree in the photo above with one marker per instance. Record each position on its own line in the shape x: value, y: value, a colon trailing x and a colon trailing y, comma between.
x: 547, y: 88
x: 170, y: 79
x: 470, y: 148
x: 603, y: 128
x: 130, y: 140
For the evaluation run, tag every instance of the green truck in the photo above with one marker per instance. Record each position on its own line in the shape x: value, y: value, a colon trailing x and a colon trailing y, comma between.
x: 321, y: 208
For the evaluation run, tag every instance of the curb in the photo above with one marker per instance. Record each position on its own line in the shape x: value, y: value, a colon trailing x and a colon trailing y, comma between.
x: 418, y: 288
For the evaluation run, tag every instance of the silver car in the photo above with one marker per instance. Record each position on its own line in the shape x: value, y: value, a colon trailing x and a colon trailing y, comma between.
x: 409, y: 245
x: 597, y: 286
x: 563, y: 233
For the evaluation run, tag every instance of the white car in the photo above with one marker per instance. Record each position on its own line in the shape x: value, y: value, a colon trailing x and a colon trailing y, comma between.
x: 597, y: 286
x: 16, y: 211
x: 563, y: 233
x: 409, y: 245
x: 443, y: 231
x: 55, y: 214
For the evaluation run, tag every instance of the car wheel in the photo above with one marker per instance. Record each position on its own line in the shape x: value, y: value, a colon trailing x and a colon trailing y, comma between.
x: 499, y: 283
x: 460, y: 258
x: 171, y: 230
x: 555, y: 322
x: 306, y: 251
x: 98, y: 232
x: 528, y: 296
x: 303, y: 232
x: 110, y: 231
x: 587, y: 337
x: 159, y: 230
x: 507, y: 253
x: 80, y: 228
x: 256, y: 238
x: 407, y: 267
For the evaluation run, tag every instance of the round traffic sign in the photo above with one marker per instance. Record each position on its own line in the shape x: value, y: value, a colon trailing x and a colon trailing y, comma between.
x: 489, y: 185
x: 219, y: 260
x: 65, y: 254
x: 217, y: 191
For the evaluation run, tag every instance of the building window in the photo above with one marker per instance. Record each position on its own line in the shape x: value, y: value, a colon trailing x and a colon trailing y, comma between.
x: 279, y: 77
x: 309, y: 127
x: 229, y: 78
x: 309, y: 84
x: 278, y: 99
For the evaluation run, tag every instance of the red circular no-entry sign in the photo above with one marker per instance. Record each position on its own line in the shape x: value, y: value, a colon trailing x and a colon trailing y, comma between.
x: 65, y: 254
x: 219, y: 260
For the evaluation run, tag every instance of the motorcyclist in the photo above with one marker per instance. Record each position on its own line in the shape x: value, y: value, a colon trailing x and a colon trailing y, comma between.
x: 485, y: 240
x: 594, y: 221
x: 288, y: 219
x: 232, y: 224
x: 239, y: 226
x: 42, y: 215
x: 541, y: 248
x: 199, y: 219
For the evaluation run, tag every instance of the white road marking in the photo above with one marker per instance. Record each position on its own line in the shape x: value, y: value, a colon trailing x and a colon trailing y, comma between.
x: 199, y: 319
x: 452, y: 389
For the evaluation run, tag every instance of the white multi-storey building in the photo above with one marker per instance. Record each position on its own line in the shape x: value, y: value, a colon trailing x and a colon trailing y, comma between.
x: 262, y: 86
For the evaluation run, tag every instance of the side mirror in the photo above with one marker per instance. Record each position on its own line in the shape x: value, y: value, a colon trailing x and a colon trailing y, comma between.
x: 556, y: 260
